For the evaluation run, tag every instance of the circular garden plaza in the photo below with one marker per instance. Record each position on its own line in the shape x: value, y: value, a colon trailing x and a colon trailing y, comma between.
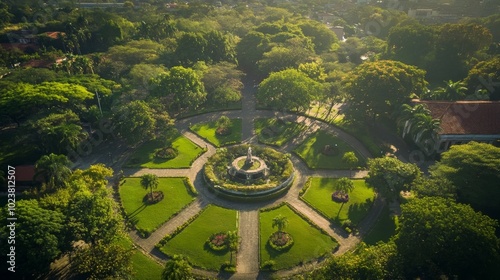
x: 254, y: 194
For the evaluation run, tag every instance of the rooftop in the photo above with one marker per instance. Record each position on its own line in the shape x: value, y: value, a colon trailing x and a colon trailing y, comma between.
x: 465, y: 117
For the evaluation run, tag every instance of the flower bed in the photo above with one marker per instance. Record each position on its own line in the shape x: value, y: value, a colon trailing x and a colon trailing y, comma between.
x: 217, y: 241
x: 280, y: 241
x: 166, y: 153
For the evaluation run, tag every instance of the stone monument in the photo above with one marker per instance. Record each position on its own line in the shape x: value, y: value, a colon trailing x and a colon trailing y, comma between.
x: 249, y: 159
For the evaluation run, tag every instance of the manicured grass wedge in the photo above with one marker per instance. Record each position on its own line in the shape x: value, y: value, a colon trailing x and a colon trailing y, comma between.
x: 276, y: 132
x: 309, y: 241
x: 190, y: 242
x: 143, y: 267
x: 311, y: 151
x: 319, y: 196
x: 147, y: 218
x: 208, y: 131
x: 144, y: 156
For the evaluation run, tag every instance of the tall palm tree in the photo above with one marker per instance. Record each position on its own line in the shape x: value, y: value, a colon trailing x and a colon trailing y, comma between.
x: 177, y: 268
x: 406, y: 116
x: 149, y: 181
x: 426, y: 129
x: 55, y: 169
x: 280, y: 222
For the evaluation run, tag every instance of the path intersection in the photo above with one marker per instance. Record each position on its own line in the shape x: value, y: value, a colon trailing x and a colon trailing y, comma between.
x: 248, y: 253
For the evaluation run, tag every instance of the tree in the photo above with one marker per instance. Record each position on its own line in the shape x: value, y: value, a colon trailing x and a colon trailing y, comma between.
x: 39, y: 238
x: 280, y: 222
x: 280, y: 58
x: 135, y: 121
x: 250, y: 49
x: 223, y: 122
x: 55, y: 170
x: 322, y: 37
x: 485, y: 75
x: 350, y: 159
x: 430, y: 186
x: 438, y: 237
x: 182, y: 87
x: 379, y: 88
x: 149, y: 181
x: 177, y: 268
x: 191, y: 48
x: 233, y: 241
x: 411, y: 43
x: 91, y: 217
x: 288, y: 90
x: 19, y: 100
x: 344, y: 186
x: 474, y: 169
x: 391, y: 176
x: 451, y: 92
x: 102, y: 260
x: 58, y: 132
x: 223, y: 83
x: 95, y: 177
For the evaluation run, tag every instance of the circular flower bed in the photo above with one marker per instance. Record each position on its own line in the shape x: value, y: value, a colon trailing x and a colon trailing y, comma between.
x: 338, y: 196
x: 280, y: 241
x: 166, y: 153
x: 330, y: 150
x: 217, y: 241
x: 222, y: 131
x: 152, y: 198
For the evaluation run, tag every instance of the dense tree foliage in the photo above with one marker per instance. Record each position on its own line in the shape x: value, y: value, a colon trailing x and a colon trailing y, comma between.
x: 39, y: 237
x: 474, y: 169
x: 440, y: 237
x: 390, y: 175
x: 378, y: 88
x: 288, y: 90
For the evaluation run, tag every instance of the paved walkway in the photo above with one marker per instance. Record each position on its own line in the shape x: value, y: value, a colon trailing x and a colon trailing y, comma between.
x: 248, y: 254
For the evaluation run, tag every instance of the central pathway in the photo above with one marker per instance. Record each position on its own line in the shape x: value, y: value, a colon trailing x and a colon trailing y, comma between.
x: 248, y: 214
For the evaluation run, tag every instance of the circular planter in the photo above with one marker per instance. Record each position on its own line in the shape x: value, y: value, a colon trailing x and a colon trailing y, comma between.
x: 217, y: 241
x: 166, y: 153
x: 280, y: 241
x: 152, y: 198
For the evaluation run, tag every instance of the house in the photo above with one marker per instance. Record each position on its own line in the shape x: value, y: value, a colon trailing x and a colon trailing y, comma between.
x: 465, y: 121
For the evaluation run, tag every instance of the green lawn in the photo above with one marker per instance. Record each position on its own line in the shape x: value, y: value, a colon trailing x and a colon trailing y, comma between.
x: 384, y: 228
x: 272, y: 132
x: 311, y: 152
x: 144, y: 155
x: 319, y: 196
x: 143, y: 267
x: 149, y: 217
x: 190, y: 242
x: 207, y: 131
x: 309, y: 242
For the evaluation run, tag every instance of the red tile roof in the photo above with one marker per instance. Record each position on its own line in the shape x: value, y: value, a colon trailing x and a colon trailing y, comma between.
x: 25, y: 173
x: 466, y: 117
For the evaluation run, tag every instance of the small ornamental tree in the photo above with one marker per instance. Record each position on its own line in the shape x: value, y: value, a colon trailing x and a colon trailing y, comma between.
x: 350, y: 159
x: 280, y: 222
x: 149, y: 182
x: 223, y: 122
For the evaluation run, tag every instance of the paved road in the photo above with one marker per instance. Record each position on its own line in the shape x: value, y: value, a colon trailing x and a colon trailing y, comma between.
x: 248, y: 254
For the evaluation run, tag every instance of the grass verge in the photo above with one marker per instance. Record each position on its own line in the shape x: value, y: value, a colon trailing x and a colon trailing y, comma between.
x: 207, y: 131
x: 319, y: 196
x: 311, y: 151
x: 309, y: 242
x: 191, y: 241
x: 148, y: 218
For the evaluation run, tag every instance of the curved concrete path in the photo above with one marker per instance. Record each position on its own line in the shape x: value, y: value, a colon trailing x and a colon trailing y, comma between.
x: 248, y: 253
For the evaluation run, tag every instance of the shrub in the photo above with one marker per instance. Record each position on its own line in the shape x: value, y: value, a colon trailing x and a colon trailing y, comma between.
x: 269, y: 265
x: 166, y: 153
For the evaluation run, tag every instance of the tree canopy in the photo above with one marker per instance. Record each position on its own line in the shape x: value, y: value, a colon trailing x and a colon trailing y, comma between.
x: 288, y: 90
x: 474, y: 169
x: 378, y: 88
